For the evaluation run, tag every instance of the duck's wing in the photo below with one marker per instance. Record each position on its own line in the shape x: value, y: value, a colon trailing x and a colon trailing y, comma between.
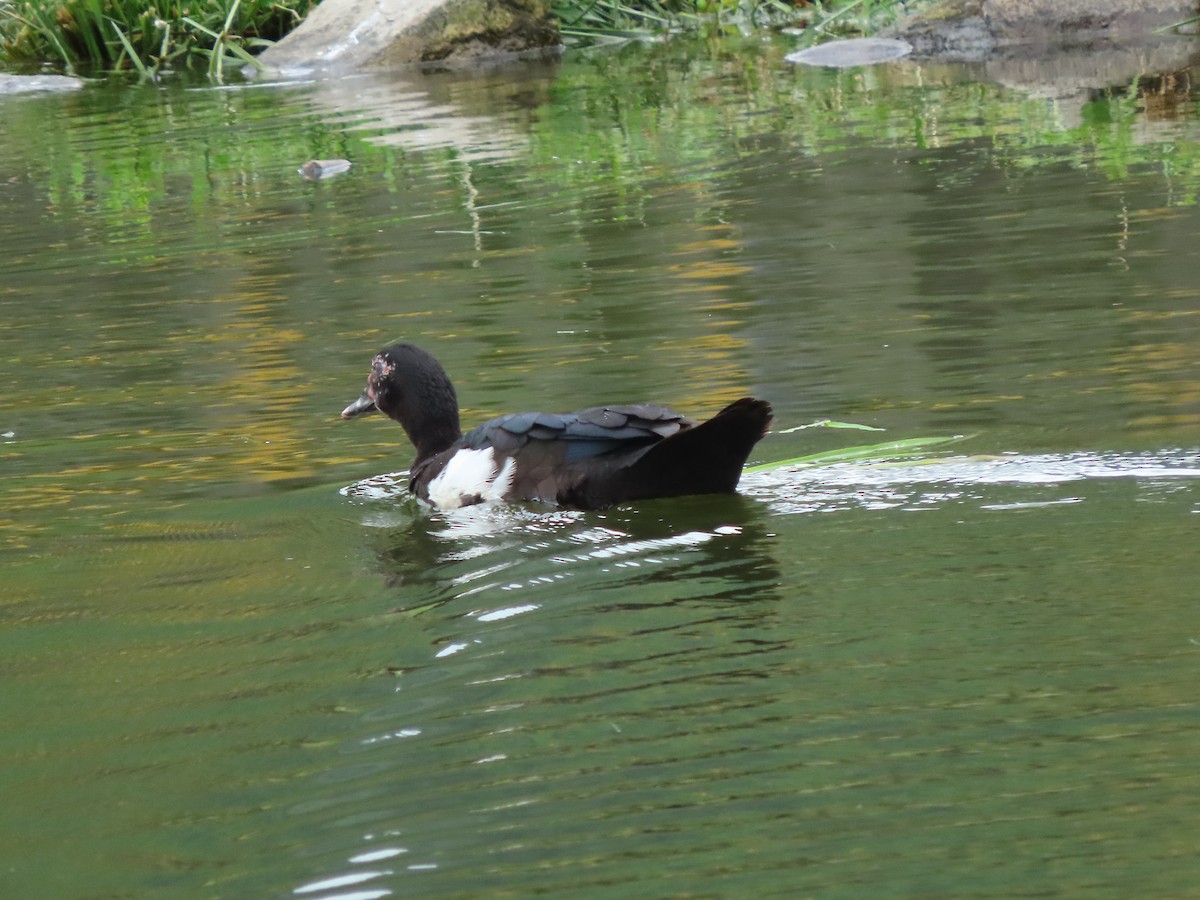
x: 587, y: 433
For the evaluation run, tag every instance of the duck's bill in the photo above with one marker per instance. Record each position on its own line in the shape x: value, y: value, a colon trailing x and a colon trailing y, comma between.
x: 360, y: 407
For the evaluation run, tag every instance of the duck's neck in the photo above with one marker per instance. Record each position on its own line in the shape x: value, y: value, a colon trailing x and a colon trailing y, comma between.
x: 431, y: 442
x: 433, y: 426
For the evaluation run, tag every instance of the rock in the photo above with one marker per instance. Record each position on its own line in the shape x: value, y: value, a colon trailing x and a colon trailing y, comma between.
x: 1057, y: 22
x: 378, y: 34
x: 852, y: 52
x: 1054, y: 48
x: 317, y: 169
x: 950, y: 28
x: 25, y: 84
x: 978, y: 29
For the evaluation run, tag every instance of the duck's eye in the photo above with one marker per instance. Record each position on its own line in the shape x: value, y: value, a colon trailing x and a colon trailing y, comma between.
x: 383, y: 392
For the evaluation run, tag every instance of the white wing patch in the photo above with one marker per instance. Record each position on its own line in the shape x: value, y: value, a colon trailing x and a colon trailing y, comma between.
x: 471, y: 474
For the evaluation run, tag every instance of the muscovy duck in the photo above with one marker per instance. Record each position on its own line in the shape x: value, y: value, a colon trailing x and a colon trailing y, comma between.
x: 589, y: 459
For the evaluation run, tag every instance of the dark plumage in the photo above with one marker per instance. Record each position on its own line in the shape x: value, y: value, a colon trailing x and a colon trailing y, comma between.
x: 589, y: 459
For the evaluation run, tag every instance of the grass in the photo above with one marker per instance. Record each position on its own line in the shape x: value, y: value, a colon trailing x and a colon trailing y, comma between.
x: 624, y: 19
x: 142, y: 37
x: 150, y: 38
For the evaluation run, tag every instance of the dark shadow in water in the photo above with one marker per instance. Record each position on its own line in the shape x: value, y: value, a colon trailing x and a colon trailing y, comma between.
x: 739, y: 558
x: 409, y: 553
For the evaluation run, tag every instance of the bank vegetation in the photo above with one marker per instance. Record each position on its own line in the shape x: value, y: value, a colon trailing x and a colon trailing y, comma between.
x: 93, y: 36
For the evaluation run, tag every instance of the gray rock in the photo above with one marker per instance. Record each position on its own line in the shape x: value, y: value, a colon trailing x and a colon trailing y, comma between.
x: 348, y: 35
x: 973, y: 30
x: 1057, y: 22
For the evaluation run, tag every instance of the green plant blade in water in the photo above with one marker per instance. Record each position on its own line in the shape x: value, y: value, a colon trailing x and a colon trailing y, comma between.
x: 886, y: 450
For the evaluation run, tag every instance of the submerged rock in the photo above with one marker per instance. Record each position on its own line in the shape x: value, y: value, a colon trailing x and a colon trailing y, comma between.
x: 852, y: 52
x: 26, y: 84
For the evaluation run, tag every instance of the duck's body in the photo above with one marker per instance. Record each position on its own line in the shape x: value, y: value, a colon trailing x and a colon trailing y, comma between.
x: 589, y: 459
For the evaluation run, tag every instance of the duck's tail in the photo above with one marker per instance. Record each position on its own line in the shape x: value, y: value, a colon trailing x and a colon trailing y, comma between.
x: 707, y: 458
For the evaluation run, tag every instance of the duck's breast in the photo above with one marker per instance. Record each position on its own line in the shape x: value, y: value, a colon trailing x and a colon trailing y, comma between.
x: 471, y: 476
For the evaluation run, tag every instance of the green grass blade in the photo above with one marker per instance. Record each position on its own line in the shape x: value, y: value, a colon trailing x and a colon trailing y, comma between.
x: 212, y: 34
x: 229, y: 18
x: 240, y: 53
x: 132, y: 54
x: 887, y: 450
x: 1169, y: 28
x: 829, y: 423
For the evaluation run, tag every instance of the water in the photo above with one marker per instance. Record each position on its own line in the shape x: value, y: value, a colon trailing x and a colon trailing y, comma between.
x: 238, y: 663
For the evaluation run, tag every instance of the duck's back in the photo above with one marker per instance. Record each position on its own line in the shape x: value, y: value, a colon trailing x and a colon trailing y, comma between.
x: 587, y: 433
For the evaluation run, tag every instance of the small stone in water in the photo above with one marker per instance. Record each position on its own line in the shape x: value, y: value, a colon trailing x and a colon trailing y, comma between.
x: 316, y: 169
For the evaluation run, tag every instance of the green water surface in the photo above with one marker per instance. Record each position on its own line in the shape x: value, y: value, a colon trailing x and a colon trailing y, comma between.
x: 235, y: 662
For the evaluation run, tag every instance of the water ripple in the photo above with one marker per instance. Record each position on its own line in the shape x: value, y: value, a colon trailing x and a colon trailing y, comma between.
x: 932, y: 483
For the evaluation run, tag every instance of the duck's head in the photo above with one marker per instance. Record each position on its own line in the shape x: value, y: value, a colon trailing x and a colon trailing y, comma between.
x: 410, y: 386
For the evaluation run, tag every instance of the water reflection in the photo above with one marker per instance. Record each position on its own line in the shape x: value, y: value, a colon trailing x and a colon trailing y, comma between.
x: 482, y: 551
x: 495, y: 592
x: 480, y: 118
